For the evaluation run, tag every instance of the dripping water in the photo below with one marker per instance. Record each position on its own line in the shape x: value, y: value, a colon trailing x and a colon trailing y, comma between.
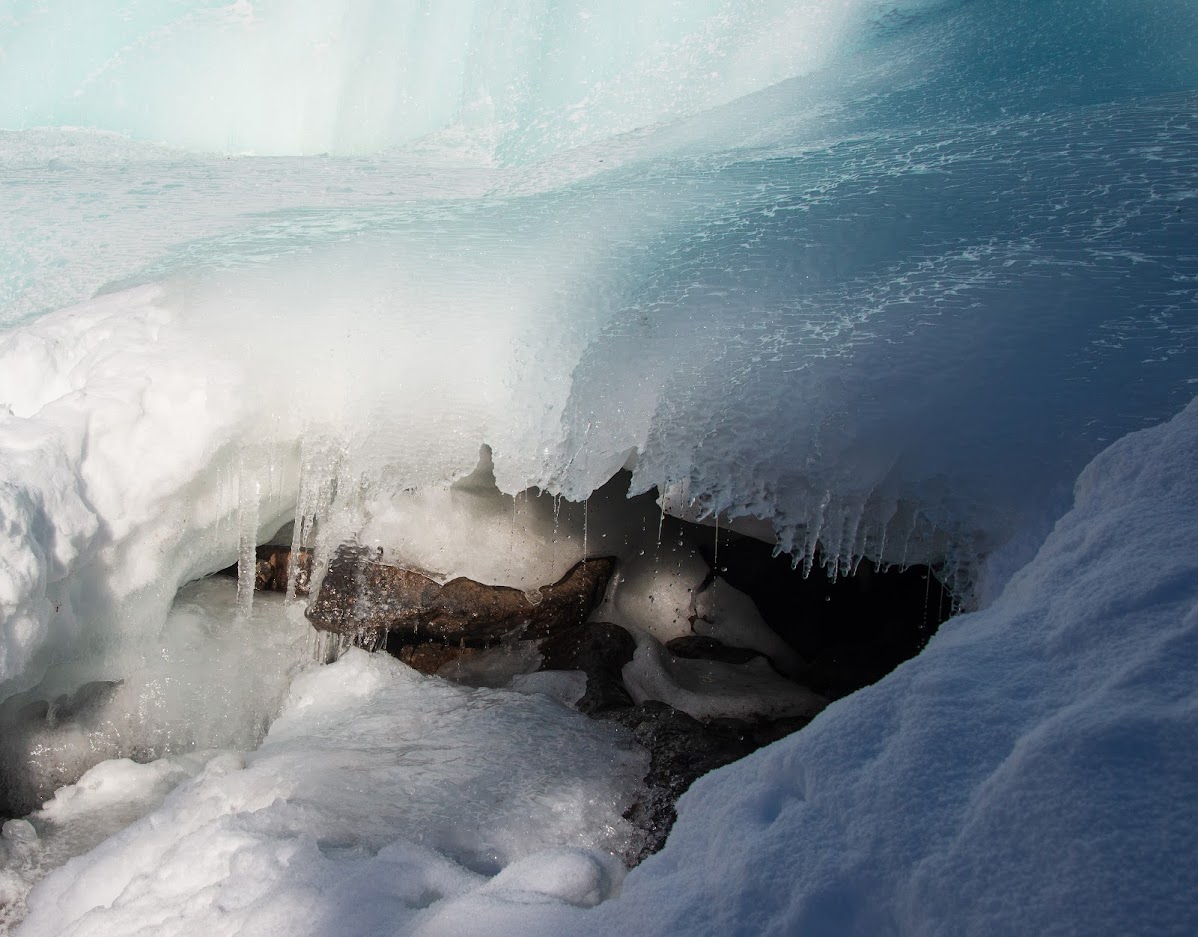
x: 715, y: 553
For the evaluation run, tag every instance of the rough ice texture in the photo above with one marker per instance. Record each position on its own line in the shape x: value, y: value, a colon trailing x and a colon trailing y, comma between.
x: 371, y: 74
x: 208, y: 680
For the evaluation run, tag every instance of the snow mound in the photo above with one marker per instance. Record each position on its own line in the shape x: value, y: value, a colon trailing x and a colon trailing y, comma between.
x: 377, y: 793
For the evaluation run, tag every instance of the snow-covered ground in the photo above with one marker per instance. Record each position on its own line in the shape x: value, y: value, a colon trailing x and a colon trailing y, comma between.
x: 884, y: 275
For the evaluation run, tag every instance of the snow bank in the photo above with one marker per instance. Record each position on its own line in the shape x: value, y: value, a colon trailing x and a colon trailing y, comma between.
x: 119, y: 483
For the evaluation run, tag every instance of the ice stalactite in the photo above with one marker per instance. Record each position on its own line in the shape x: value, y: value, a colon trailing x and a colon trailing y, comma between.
x: 249, y: 493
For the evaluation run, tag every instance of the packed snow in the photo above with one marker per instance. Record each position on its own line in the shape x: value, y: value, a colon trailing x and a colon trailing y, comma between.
x: 866, y: 279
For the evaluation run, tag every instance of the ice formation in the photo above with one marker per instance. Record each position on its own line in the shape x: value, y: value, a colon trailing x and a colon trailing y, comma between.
x: 877, y: 277
x: 1030, y: 772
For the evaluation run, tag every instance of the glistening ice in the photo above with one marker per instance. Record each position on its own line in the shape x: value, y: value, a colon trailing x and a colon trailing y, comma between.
x: 870, y: 279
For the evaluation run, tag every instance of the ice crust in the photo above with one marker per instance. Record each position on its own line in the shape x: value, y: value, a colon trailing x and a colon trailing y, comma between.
x: 810, y: 335
x: 308, y: 78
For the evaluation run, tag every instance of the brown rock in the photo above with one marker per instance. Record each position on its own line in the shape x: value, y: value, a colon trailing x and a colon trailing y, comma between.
x: 274, y: 566
x: 599, y: 649
x: 361, y: 594
x: 429, y: 657
x: 271, y: 569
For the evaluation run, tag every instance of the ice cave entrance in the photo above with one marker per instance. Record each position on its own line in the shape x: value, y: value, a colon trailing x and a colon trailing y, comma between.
x: 702, y: 639
x: 699, y: 639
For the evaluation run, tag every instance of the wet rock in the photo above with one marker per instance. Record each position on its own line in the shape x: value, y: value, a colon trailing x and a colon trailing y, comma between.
x: 681, y: 749
x: 429, y: 657
x: 698, y: 647
x: 599, y: 649
x: 272, y: 567
x: 361, y: 594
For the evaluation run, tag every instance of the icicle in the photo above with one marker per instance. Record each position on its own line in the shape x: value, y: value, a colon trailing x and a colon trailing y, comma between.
x: 318, y: 487
x: 304, y: 516
x: 325, y: 647
x: 515, y: 515
x: 249, y: 490
x: 298, y: 529
x: 585, y: 503
x: 661, y: 520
